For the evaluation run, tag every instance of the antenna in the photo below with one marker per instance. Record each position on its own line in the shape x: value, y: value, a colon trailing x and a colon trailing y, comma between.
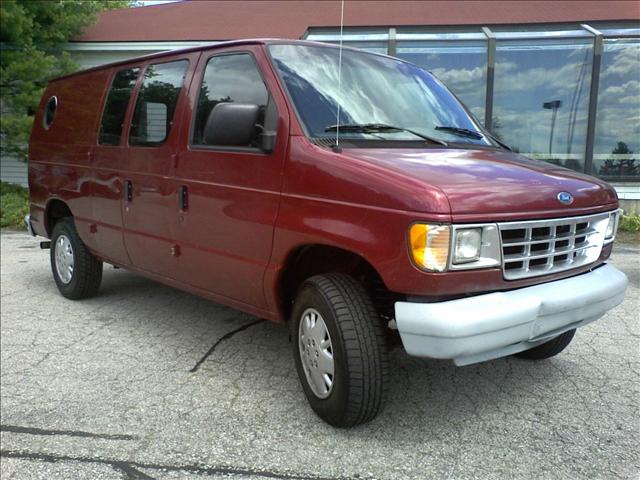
x: 339, y: 75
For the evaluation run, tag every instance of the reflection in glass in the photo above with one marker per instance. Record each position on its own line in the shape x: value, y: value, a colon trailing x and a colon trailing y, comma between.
x: 373, y: 89
x: 372, y: 40
x: 116, y: 106
x: 541, y: 89
x: 460, y: 65
x: 156, y: 103
x: 541, y: 98
x: 229, y: 78
x: 375, y: 47
x: 617, y: 141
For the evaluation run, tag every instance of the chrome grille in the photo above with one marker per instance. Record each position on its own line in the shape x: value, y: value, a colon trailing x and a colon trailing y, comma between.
x: 542, y: 247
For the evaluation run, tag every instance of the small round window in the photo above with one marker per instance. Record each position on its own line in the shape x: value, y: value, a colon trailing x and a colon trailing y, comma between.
x: 50, y: 112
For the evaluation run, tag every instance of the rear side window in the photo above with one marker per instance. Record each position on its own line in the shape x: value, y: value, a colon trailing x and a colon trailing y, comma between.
x: 116, y: 106
x: 230, y: 78
x: 156, y: 103
x: 49, y: 112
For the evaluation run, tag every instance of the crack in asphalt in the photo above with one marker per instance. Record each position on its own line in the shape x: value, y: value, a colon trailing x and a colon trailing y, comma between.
x: 225, y: 337
x: 70, y: 433
x: 129, y: 472
x: 130, y: 469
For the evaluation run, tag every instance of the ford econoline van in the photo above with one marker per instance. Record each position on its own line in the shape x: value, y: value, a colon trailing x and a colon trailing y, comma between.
x: 348, y: 194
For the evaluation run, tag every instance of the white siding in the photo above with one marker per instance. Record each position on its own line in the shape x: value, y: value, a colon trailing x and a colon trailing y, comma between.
x: 627, y: 191
x: 156, y: 122
x: 13, y: 171
x: 92, y: 54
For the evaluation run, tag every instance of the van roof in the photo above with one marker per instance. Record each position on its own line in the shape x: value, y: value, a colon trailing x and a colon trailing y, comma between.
x: 230, y: 43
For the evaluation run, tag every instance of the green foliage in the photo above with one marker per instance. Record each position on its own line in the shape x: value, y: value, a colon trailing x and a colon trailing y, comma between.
x: 622, y: 148
x: 630, y: 223
x: 32, y: 34
x: 14, y: 205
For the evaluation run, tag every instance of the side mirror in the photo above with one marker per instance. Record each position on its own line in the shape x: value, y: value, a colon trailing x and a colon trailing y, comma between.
x: 231, y: 124
x: 267, y: 141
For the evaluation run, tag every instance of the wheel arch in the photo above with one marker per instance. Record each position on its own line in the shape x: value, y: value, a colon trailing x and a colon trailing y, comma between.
x: 308, y: 260
x: 54, y: 211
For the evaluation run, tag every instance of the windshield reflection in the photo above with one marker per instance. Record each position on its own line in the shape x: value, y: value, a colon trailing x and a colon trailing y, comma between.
x: 373, y: 89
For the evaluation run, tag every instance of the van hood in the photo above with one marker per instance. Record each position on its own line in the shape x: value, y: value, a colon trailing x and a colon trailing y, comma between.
x: 484, y: 184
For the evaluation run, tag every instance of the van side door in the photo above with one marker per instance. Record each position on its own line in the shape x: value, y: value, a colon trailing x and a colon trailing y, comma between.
x: 108, y: 159
x: 148, y: 195
x: 229, y: 195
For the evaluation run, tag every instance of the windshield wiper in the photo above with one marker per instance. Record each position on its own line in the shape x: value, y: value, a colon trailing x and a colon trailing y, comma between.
x: 463, y: 132
x: 499, y: 142
x: 380, y: 127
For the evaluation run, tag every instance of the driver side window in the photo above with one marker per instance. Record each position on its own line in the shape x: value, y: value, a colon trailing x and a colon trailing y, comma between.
x: 236, y: 79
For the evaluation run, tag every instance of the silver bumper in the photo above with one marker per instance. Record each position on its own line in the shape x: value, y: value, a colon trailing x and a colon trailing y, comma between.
x: 493, y: 325
x: 27, y: 221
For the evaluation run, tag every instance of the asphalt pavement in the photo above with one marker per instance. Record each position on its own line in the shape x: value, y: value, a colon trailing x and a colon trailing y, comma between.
x: 144, y: 381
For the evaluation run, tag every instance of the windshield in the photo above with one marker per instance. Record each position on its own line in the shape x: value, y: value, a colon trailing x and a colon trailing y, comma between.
x: 374, y: 90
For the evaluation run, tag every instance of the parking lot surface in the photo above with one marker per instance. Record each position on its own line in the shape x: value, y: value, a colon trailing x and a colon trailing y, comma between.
x: 144, y: 381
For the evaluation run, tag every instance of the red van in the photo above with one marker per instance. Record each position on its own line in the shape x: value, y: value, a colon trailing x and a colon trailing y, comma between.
x: 346, y: 193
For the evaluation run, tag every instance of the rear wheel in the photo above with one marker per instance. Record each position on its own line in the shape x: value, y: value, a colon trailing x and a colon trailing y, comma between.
x: 76, y: 271
x: 339, y: 349
x: 548, y: 349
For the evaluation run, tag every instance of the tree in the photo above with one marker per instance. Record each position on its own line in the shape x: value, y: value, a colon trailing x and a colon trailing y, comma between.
x: 621, y: 148
x: 620, y: 167
x: 32, y: 35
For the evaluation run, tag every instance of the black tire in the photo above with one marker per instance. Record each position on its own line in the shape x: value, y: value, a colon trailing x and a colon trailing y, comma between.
x: 359, y: 349
x: 87, y: 269
x: 548, y: 349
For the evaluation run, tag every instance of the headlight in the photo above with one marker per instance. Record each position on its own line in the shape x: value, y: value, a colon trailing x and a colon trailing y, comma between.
x: 429, y: 245
x: 612, y: 226
x: 467, y: 243
x: 472, y: 246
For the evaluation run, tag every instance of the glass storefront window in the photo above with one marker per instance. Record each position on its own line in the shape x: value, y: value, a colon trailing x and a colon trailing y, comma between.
x: 375, y: 47
x: 374, y: 40
x: 541, y: 98
x: 541, y: 86
x: 460, y: 65
x: 617, y: 141
x: 369, y: 46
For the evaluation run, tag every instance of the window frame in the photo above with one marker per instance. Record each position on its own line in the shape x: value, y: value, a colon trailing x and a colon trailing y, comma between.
x: 114, y: 72
x: 136, y: 93
x: 192, y: 125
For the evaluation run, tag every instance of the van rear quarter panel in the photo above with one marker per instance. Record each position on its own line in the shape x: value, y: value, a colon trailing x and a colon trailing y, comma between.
x: 59, y: 157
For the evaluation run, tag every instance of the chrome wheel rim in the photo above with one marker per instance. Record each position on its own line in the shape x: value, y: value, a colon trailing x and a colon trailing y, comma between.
x: 316, y: 352
x: 64, y: 259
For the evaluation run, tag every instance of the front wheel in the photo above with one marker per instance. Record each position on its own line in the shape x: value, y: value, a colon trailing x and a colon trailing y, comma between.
x: 339, y: 349
x: 76, y: 271
x: 548, y: 349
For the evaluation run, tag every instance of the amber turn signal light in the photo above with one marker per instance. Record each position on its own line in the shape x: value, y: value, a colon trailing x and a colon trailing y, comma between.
x: 429, y: 245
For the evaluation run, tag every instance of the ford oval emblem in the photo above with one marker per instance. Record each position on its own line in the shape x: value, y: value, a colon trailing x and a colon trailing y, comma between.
x: 565, y: 197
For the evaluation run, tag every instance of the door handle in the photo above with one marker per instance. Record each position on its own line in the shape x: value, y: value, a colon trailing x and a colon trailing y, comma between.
x: 128, y: 190
x: 184, y: 197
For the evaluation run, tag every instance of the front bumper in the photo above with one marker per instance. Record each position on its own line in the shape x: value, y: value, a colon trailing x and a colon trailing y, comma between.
x: 494, y: 325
